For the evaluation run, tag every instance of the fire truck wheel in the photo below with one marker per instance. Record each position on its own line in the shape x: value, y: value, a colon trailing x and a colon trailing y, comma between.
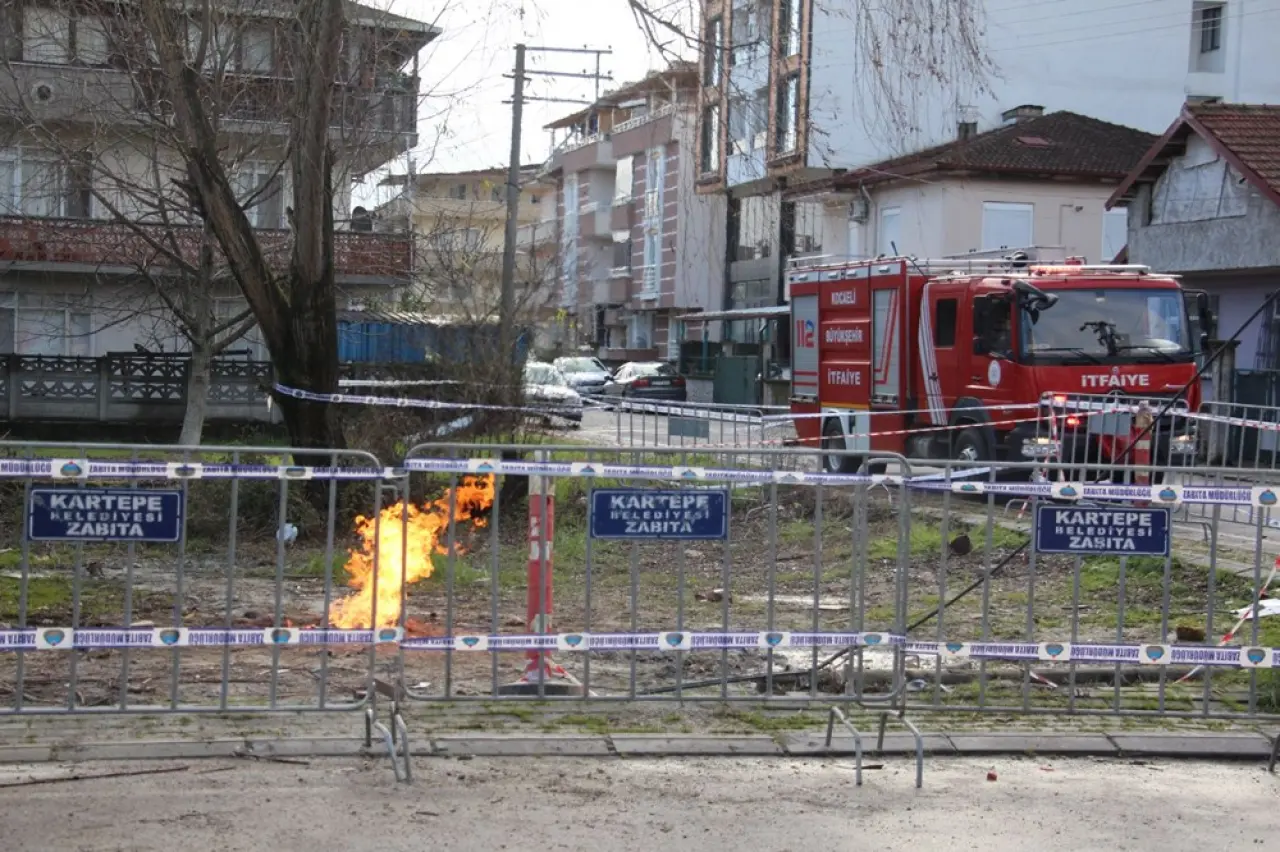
x: 969, y: 446
x: 833, y: 442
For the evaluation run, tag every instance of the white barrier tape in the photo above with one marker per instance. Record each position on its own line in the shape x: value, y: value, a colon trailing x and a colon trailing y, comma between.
x: 1249, y: 614
x: 1165, y: 495
x: 551, y: 409
x: 109, y: 638
x: 666, y: 473
x: 86, y: 469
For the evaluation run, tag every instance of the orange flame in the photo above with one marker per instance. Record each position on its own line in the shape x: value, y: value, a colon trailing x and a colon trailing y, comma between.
x: 409, y: 533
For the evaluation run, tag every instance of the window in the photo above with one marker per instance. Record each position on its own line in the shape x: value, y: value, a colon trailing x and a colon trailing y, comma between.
x: 889, y: 241
x: 651, y: 261
x: 789, y: 20
x: 498, y: 192
x: 260, y: 189
x: 46, y: 35
x: 1007, y: 225
x: 214, y: 50
x: 623, y: 178
x: 49, y: 325
x: 32, y: 184
x: 713, y: 52
x: 257, y: 49
x: 640, y: 330
x: 739, y: 120
x: 788, y: 114
x: 89, y: 33
x: 809, y: 224
x: 1209, y: 24
x: 1115, y: 233
x: 458, y: 191
x: 944, y: 323
x: 654, y: 184
x: 711, y: 139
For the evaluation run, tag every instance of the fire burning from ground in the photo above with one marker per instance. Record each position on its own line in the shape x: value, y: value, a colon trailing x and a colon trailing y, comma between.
x: 404, y: 533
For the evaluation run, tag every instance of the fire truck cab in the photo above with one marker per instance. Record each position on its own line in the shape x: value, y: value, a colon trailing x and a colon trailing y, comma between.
x: 952, y: 358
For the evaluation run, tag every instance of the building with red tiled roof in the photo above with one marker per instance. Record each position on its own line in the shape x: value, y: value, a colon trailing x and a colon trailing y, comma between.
x: 1204, y: 202
x: 1040, y: 180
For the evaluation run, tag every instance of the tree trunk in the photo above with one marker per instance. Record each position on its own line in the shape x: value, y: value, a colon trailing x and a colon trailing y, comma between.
x: 199, y: 370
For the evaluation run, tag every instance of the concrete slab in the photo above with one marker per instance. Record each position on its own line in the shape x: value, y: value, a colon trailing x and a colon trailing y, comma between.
x: 1212, y: 746
x: 1055, y: 744
x: 517, y: 746
x: 299, y: 747
x: 653, y: 745
x: 811, y: 745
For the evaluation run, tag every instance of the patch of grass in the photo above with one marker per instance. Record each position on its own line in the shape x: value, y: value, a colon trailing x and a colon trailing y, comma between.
x: 771, y: 722
x: 314, y: 568
x: 50, y: 602
x: 588, y: 724
x: 926, y: 540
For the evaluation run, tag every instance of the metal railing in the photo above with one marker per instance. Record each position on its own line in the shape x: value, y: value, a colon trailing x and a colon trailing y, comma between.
x: 228, y: 579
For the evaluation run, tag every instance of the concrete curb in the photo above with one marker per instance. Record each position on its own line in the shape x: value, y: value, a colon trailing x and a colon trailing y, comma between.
x: 1211, y: 746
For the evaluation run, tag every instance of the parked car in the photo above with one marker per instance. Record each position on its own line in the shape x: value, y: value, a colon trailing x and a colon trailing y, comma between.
x: 546, y: 388
x: 586, y: 375
x: 647, y: 380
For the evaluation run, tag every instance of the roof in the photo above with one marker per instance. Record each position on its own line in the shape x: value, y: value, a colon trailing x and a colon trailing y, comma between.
x: 527, y: 171
x: 1058, y: 144
x: 374, y: 17
x: 1245, y: 135
x: 627, y: 91
x: 738, y: 314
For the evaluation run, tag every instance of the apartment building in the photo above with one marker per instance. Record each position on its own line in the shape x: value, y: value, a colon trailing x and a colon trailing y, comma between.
x: 1039, y: 181
x: 794, y: 91
x: 96, y: 231
x: 638, y: 246
x: 458, y: 221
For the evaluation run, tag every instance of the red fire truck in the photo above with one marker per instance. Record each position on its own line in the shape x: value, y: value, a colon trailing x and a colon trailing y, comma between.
x: 951, y: 358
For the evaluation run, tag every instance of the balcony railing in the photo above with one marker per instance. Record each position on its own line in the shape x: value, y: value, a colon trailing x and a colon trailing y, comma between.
x: 642, y: 120
x: 389, y: 106
x: 117, y: 244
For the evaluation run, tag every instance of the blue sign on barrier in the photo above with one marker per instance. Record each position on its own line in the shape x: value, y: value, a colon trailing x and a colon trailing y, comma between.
x: 104, y: 514
x: 635, y: 513
x: 1099, y: 530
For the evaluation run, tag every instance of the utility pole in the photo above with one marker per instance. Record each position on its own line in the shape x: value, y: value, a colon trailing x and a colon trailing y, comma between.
x: 506, y: 309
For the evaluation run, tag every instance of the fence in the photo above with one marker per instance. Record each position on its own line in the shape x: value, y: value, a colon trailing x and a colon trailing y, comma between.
x: 605, y: 575
x: 169, y: 580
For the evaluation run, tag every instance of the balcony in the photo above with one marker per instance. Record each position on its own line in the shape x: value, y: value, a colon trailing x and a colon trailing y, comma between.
x: 536, y: 235
x: 594, y: 221
x: 83, y: 245
x: 578, y: 155
x: 637, y: 135
x: 622, y: 214
x: 389, y: 107
x: 611, y: 290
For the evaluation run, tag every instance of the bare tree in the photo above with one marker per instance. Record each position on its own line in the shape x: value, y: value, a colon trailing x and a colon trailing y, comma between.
x: 220, y: 150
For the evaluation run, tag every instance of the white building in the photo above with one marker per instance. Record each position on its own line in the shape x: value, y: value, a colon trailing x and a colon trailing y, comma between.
x: 795, y: 90
x: 94, y: 225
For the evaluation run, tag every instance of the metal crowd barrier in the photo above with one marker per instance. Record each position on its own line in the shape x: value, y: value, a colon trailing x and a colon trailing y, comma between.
x: 603, y: 575
x: 163, y: 580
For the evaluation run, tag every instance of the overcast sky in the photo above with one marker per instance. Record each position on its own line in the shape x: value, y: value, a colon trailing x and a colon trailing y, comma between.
x: 465, y: 123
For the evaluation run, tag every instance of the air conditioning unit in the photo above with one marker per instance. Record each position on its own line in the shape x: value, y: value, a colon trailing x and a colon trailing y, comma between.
x: 741, y: 146
x: 761, y: 140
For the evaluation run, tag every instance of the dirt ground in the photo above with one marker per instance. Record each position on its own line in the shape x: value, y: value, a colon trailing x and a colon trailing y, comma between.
x: 608, y: 804
x: 789, y: 564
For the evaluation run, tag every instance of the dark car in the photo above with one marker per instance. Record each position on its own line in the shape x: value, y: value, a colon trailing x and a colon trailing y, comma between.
x: 647, y: 380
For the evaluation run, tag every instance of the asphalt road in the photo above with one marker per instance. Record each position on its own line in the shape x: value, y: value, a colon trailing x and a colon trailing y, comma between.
x: 603, y: 805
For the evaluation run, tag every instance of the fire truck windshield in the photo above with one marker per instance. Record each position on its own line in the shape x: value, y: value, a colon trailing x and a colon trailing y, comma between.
x: 1115, y: 325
